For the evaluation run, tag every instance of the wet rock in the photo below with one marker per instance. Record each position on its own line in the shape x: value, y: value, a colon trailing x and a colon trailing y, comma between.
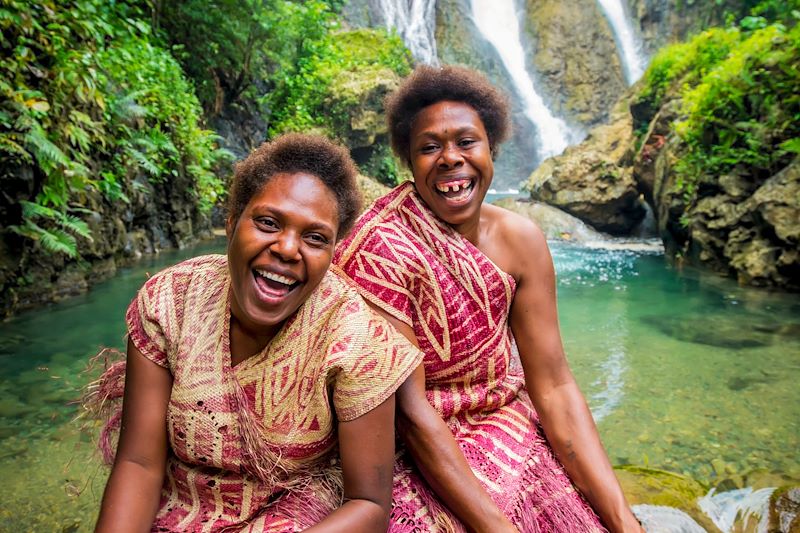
x: 574, y: 59
x: 594, y: 180
x: 784, y: 510
x: 646, y: 486
x: 555, y: 223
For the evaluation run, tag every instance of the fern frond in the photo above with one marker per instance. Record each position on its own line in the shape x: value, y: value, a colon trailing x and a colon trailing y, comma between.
x: 47, y: 154
x: 59, y: 241
x: 144, y: 162
x: 31, y: 210
x: 75, y: 225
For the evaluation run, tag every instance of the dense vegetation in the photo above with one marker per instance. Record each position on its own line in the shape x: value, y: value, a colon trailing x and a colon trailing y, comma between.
x: 89, y: 100
x: 738, y: 88
x: 105, y: 145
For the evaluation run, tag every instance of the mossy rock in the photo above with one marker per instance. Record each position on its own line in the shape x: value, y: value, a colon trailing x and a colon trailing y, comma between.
x: 660, y: 487
x: 371, y: 189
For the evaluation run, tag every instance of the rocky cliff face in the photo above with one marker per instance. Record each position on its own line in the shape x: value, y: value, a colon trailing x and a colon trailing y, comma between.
x: 739, y: 226
x: 157, y: 216
x: 667, y: 21
x: 574, y: 55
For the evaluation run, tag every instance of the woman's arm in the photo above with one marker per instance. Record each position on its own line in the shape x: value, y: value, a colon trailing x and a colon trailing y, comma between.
x: 130, y: 501
x: 437, y: 454
x: 366, y: 446
x: 563, y: 412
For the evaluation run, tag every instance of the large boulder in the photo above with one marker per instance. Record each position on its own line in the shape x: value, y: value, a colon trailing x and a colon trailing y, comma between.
x: 555, y: 223
x: 594, y: 180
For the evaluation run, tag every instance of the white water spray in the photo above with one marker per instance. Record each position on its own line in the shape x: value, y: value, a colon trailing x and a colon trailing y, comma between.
x: 498, y: 22
x: 628, y: 43
x: 415, y: 22
x: 725, y: 507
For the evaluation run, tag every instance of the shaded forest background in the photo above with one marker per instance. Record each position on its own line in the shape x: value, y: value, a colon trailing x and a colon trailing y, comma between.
x: 119, y: 119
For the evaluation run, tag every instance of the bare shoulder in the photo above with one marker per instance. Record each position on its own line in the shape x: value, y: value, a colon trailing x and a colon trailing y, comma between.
x: 521, y: 236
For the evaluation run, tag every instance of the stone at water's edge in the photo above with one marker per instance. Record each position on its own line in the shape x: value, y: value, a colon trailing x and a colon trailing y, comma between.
x: 594, y: 180
x: 661, y: 488
x: 555, y: 224
x: 784, y: 510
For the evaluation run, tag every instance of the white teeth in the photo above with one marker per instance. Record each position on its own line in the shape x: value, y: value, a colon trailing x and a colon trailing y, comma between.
x: 276, y: 277
x: 453, y: 186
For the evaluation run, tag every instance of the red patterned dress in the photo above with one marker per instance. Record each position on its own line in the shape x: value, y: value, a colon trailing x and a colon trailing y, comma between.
x: 252, y: 447
x: 425, y: 274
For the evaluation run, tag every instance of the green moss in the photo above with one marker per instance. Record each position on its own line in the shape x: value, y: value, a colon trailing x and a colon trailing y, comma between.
x: 686, y: 63
x: 338, y: 64
x: 745, y: 112
x: 88, y: 100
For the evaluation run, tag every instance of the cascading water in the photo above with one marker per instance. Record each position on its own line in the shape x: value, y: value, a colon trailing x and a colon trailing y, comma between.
x: 415, y: 22
x: 628, y: 43
x: 498, y: 23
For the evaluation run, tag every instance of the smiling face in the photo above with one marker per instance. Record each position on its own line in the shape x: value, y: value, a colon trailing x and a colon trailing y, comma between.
x: 451, y: 161
x: 279, y: 250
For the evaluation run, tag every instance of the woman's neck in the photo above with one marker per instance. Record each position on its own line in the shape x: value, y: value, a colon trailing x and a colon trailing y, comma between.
x: 246, y: 342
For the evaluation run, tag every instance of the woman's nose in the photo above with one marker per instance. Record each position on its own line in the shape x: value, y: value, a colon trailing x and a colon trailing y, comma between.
x: 450, y: 157
x: 287, y: 246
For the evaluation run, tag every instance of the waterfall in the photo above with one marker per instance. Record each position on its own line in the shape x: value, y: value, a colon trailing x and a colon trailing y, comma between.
x: 498, y: 22
x: 415, y: 22
x: 629, y: 45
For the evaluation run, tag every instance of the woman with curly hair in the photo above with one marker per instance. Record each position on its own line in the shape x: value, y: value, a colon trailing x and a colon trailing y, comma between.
x: 245, y: 371
x: 500, y: 445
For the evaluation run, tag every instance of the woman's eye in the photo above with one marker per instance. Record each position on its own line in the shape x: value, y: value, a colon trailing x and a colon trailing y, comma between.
x: 267, y: 222
x: 428, y: 148
x: 317, y: 239
x: 466, y: 142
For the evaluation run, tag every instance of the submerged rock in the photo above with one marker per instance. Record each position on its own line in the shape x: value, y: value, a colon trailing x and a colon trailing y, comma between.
x: 646, y: 488
x: 722, y: 331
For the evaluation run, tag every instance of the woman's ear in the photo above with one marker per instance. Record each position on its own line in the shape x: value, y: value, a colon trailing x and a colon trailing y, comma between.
x: 230, y: 225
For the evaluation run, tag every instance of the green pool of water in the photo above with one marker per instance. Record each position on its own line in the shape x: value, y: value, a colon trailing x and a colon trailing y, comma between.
x: 683, y: 372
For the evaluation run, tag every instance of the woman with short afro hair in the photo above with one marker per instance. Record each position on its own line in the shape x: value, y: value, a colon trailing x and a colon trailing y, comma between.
x: 499, y: 443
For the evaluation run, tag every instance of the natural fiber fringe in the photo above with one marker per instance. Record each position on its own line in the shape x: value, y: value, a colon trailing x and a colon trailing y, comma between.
x: 102, y: 399
x: 318, y: 490
x: 552, y: 506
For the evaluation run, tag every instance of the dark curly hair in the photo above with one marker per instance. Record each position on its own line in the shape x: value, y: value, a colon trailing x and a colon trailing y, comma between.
x: 428, y: 85
x: 294, y: 153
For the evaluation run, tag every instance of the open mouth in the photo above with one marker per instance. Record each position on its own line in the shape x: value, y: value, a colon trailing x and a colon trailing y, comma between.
x: 456, y: 190
x: 273, y: 285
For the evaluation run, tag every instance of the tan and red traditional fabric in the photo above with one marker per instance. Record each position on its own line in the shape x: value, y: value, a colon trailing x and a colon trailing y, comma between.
x: 421, y: 271
x: 252, y: 447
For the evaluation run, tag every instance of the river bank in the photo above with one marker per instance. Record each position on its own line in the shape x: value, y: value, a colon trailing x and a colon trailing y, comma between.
x: 684, y: 372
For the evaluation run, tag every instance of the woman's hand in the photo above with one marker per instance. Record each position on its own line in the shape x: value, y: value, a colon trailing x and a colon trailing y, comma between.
x: 130, y: 501
x: 441, y: 461
x: 366, y: 446
x: 437, y: 454
x: 562, y: 410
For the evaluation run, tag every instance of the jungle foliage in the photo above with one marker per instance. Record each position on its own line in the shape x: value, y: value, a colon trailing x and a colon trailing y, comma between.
x: 738, y: 88
x: 90, y: 101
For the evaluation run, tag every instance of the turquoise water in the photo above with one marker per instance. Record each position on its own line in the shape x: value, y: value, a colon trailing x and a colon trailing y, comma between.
x: 683, y: 371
